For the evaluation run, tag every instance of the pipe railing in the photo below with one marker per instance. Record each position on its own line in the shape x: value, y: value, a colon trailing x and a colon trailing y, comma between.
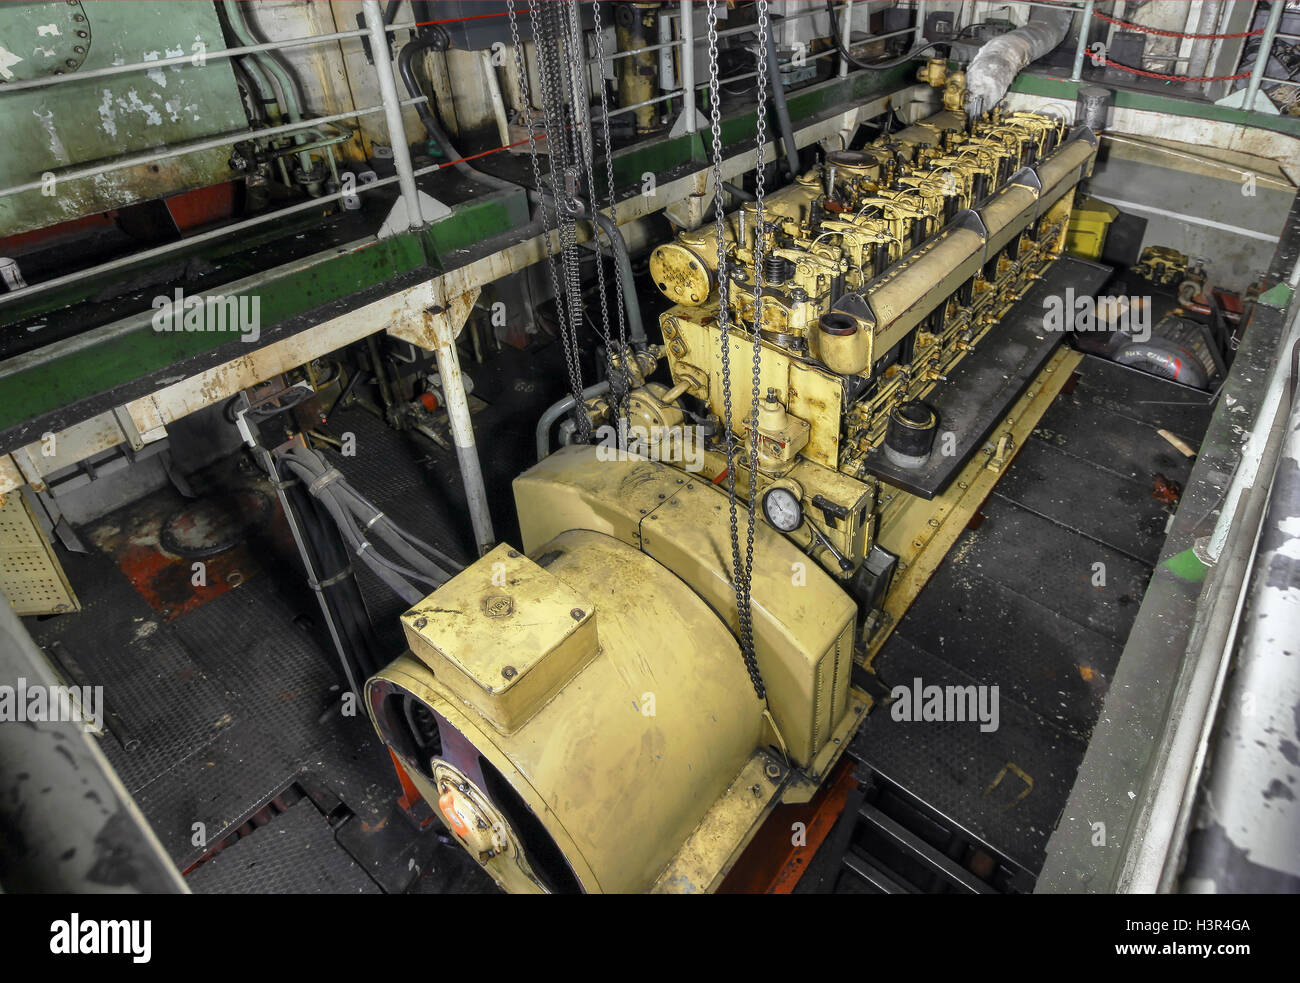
x: 196, y: 58
x: 390, y: 105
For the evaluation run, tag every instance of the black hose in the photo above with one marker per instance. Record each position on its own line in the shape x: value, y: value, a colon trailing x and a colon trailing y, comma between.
x: 878, y: 66
x: 635, y: 326
x: 782, y: 109
x: 406, y: 68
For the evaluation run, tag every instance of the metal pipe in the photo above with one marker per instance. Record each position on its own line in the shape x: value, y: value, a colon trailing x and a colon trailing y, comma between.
x: 462, y: 432
x: 1082, y: 47
x: 494, y: 93
x: 920, y: 21
x: 406, y: 68
x: 172, y: 247
x: 217, y: 233
x: 1265, y: 52
x: 687, y: 56
x: 220, y: 53
x: 267, y: 60
x: 648, y: 102
x: 782, y: 109
x: 846, y: 35
x: 393, y: 112
x: 557, y: 410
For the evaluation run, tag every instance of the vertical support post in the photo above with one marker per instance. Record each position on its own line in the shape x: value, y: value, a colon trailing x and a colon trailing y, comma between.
x: 846, y: 33
x: 1265, y: 52
x: 1085, y: 25
x: 462, y: 432
x: 919, y: 38
x: 494, y: 94
x: 392, y: 111
x: 688, y: 121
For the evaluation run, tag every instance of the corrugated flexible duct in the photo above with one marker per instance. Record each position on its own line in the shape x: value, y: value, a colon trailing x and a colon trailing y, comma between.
x: 1000, y: 60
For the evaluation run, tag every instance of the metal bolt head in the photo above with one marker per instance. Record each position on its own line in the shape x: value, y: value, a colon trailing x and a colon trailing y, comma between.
x: 772, y: 770
x: 578, y: 614
x: 509, y: 672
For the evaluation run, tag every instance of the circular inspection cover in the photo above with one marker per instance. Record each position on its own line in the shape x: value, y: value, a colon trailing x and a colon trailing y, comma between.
x: 215, y: 524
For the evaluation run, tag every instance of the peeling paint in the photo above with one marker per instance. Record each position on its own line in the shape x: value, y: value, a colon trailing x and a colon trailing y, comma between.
x: 7, y: 60
x: 45, y: 30
x: 156, y: 75
x: 57, y: 150
x: 106, y: 114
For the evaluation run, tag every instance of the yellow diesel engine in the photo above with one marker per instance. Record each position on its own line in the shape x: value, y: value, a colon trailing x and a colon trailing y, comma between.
x: 580, y: 709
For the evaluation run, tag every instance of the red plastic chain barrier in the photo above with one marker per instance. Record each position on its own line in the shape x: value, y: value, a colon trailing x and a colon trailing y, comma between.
x: 1173, y: 34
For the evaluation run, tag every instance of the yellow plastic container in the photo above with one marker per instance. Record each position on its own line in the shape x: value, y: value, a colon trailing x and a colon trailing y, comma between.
x: 1086, y: 234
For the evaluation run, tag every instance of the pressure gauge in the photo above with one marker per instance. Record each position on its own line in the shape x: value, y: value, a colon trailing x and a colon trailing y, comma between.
x: 782, y: 508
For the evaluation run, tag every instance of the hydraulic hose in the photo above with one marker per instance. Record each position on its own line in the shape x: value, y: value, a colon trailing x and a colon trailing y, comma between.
x: 406, y: 68
x: 635, y: 326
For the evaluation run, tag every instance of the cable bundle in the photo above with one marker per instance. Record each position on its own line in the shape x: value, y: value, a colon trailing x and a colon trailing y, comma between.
x: 355, y: 516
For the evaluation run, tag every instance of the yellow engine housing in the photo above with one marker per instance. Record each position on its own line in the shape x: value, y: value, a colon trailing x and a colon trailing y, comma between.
x: 599, y: 730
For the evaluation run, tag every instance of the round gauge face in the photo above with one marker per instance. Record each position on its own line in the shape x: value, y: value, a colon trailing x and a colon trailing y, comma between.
x: 782, y: 509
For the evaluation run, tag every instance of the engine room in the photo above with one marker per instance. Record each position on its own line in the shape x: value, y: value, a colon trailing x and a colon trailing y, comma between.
x: 718, y: 446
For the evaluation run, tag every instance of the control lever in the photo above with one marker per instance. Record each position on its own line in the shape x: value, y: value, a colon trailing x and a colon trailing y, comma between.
x: 818, y: 537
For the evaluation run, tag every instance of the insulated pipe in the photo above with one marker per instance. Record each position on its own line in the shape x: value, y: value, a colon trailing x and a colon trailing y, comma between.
x: 462, y: 432
x: 992, y: 70
x: 393, y: 113
x: 558, y: 410
x: 782, y: 110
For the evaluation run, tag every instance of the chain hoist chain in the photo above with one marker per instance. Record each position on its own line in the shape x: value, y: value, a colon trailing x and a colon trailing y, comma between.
x: 761, y: 244
x: 575, y: 377
x: 551, y: 79
x: 619, y: 377
x: 578, y: 58
x: 740, y: 575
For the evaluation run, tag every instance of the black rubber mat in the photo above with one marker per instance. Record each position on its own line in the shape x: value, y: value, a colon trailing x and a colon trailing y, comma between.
x: 295, y: 853
x: 1020, y: 603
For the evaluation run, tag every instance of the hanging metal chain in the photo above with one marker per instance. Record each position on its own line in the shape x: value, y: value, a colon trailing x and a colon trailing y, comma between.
x: 582, y: 131
x: 761, y: 244
x: 554, y: 82
x: 620, y: 383
x: 740, y: 574
x: 551, y: 211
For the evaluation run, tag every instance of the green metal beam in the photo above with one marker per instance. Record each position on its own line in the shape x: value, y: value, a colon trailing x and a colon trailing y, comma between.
x: 1059, y: 88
